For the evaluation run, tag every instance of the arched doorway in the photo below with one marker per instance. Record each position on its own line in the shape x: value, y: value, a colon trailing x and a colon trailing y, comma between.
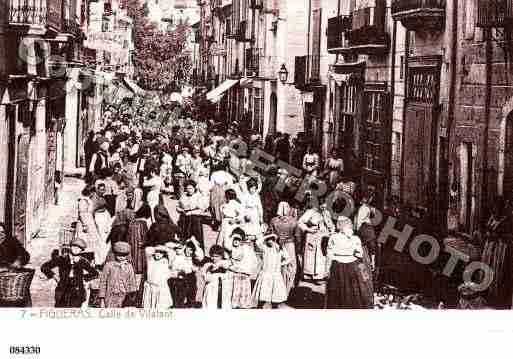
x: 273, y: 113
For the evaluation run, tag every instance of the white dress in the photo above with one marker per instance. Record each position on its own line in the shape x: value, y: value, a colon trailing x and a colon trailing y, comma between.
x: 156, y: 293
x: 270, y: 285
x: 253, y: 213
x: 101, y: 247
x: 232, y: 216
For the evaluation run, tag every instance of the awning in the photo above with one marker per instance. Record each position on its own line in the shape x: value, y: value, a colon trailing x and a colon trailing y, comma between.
x: 216, y: 94
x: 246, y: 82
x: 117, y: 92
x: 134, y: 87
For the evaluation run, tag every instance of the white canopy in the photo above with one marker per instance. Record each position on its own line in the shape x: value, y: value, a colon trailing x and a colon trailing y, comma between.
x: 216, y: 94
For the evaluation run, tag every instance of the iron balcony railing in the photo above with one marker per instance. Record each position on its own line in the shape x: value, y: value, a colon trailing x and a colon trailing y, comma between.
x: 337, y: 30
x: 253, y: 56
x: 408, y: 5
x: 36, y: 13
x: 494, y: 13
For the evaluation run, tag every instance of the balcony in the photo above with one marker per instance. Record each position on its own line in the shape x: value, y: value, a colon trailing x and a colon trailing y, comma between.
x: 256, y: 4
x: 71, y: 27
x: 253, y: 56
x: 44, y: 14
x: 337, y: 34
x: 367, y: 34
x: 417, y: 15
x: 218, y: 5
x: 306, y: 71
x: 494, y: 13
x: 244, y: 33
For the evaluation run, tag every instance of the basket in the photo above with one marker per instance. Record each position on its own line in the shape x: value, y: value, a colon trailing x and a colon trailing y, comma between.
x: 15, y: 285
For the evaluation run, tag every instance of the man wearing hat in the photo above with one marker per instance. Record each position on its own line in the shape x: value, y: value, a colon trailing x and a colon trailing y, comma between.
x: 70, y: 291
x: 100, y: 159
x: 118, y: 286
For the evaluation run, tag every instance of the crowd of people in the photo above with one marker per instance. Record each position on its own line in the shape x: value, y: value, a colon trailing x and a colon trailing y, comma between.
x: 129, y: 251
x: 150, y: 197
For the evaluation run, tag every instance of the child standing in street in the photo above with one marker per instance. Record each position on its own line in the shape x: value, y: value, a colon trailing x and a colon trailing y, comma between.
x: 183, y: 282
x: 243, y: 264
x: 218, y: 280
x: 156, y: 294
x: 270, y: 285
x: 118, y: 287
x: 70, y: 291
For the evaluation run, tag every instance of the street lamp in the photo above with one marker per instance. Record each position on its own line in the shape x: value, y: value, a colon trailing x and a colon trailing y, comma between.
x: 283, y: 74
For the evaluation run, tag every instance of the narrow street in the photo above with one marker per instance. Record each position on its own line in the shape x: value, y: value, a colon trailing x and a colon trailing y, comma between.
x: 61, y: 216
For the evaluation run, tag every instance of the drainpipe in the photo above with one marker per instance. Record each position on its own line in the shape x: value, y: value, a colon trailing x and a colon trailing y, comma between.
x: 452, y: 88
x: 405, y: 104
x: 488, y: 98
x: 392, y: 101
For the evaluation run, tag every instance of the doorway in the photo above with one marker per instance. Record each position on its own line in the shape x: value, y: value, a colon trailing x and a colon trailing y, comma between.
x: 273, y: 113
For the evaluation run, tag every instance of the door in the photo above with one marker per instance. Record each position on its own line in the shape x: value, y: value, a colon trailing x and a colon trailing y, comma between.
x: 508, y: 159
x: 417, y: 171
x: 273, y: 113
x: 21, y: 191
x: 375, y: 135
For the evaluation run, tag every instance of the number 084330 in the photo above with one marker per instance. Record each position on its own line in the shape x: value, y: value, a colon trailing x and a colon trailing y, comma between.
x: 24, y: 350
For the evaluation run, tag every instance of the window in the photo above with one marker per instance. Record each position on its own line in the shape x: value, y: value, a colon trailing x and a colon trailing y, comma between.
x: 258, y: 109
x: 374, y: 130
x: 401, y: 68
x: 376, y: 108
x: 412, y: 43
x: 470, y: 19
x: 396, y: 146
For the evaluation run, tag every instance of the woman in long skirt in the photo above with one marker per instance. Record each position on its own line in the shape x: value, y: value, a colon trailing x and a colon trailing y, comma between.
x: 232, y: 217
x: 190, y: 209
x: 285, y: 227
x: 220, y: 181
x: 136, y: 237
x: 350, y: 278
x: 317, y: 225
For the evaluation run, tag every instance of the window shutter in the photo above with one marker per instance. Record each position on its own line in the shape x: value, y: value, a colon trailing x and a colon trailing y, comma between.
x: 316, y: 43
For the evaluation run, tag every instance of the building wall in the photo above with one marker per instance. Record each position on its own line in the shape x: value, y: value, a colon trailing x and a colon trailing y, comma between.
x: 471, y: 115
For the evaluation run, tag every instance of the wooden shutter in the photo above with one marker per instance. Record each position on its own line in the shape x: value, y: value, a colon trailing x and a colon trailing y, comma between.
x: 316, y: 44
x: 417, y: 147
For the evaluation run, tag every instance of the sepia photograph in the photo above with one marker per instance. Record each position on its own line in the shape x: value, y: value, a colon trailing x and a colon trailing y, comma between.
x: 305, y: 158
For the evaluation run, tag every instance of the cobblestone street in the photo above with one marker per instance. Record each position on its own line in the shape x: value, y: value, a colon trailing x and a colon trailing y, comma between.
x: 47, y: 240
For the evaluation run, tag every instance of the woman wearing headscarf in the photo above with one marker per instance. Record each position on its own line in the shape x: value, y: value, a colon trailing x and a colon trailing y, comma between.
x: 364, y: 229
x: 316, y: 224
x: 163, y: 229
x: 136, y: 237
x: 220, y: 182
x: 350, y: 279
x: 286, y: 228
